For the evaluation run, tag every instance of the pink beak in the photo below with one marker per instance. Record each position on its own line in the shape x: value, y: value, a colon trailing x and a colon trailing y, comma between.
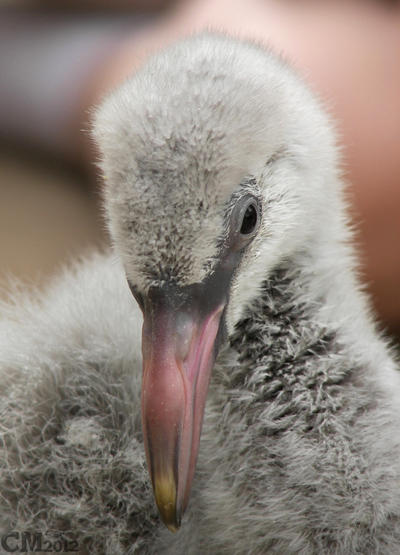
x: 179, y: 350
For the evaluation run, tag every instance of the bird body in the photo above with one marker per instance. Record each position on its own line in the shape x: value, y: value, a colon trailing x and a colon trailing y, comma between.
x: 299, y: 451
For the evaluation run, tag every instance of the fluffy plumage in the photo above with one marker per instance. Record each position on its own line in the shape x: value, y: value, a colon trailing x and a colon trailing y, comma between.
x: 300, y: 449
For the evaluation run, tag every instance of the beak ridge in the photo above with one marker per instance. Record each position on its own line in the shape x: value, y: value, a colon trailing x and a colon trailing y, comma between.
x: 179, y: 349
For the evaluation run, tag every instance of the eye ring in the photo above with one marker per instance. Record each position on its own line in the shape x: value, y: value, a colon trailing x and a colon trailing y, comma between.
x: 245, y: 220
x: 249, y: 219
x: 248, y: 216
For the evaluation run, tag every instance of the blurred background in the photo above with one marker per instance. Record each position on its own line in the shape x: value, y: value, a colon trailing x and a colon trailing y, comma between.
x: 59, y: 58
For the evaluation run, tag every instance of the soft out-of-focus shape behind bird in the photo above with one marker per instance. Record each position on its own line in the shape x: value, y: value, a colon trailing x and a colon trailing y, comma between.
x: 224, y: 201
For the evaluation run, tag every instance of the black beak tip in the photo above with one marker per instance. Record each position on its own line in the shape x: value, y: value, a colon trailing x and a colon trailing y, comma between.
x: 173, y: 523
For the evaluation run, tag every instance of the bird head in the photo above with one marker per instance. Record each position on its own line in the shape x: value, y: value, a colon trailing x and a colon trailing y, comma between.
x: 216, y: 161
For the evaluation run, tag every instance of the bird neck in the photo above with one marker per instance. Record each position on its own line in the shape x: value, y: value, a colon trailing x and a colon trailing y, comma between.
x: 281, y: 331
x: 298, y: 333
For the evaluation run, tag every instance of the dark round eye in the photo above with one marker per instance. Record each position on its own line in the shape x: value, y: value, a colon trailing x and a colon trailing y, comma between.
x: 245, y: 220
x: 250, y: 219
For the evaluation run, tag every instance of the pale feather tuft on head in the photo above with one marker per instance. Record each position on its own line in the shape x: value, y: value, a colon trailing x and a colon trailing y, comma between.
x: 182, y: 135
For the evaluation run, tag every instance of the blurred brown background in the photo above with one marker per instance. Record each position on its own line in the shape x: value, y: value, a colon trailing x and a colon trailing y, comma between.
x: 49, y: 194
x: 48, y: 214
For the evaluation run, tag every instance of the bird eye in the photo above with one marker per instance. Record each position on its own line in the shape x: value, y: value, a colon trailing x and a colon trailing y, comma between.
x: 245, y: 220
x: 250, y: 219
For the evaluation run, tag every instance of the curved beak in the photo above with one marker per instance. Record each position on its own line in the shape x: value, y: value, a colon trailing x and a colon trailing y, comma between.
x: 180, y: 339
